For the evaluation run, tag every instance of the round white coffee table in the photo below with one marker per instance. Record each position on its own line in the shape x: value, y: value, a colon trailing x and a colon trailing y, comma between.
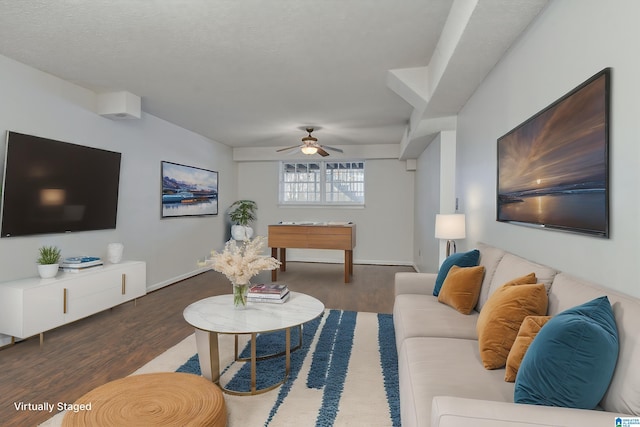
x: 217, y: 315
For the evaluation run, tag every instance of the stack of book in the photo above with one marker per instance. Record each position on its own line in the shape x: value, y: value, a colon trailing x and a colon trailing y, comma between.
x: 80, y: 263
x: 268, y: 292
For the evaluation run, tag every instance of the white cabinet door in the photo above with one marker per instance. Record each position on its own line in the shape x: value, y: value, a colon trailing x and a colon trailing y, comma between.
x: 92, y: 294
x: 104, y: 289
x: 135, y: 281
x: 43, y: 309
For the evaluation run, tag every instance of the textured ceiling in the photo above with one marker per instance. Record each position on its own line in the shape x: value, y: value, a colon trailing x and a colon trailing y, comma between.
x: 246, y: 73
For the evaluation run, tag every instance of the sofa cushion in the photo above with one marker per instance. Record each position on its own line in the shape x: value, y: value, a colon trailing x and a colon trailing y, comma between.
x: 462, y: 259
x: 423, y: 316
x: 490, y: 256
x: 502, y: 315
x: 511, y: 266
x: 623, y: 395
x: 530, y: 327
x: 571, y: 361
x: 461, y: 288
x: 430, y: 367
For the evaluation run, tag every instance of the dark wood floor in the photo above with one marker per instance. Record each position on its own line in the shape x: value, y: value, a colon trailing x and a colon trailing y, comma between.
x: 78, y: 357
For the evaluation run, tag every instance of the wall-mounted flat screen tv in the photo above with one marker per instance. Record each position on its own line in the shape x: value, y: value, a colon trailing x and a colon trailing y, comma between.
x: 57, y: 187
x: 553, y: 169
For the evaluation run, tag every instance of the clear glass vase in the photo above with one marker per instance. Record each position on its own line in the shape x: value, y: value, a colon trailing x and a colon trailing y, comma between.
x: 240, y: 292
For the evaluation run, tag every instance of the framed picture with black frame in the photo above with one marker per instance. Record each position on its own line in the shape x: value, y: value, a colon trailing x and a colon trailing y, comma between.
x: 188, y: 190
x: 553, y: 169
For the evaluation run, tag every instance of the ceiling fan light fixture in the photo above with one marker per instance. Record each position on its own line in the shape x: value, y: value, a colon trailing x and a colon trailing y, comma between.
x: 309, y: 149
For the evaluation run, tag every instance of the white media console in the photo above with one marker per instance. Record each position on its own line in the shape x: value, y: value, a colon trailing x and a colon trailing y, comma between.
x: 32, y: 306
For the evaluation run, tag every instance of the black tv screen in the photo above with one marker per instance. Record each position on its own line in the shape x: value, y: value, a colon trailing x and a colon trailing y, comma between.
x: 553, y: 169
x: 57, y: 187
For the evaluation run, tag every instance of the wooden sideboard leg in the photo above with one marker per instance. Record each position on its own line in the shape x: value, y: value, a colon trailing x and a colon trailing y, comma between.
x: 274, y: 272
x: 283, y: 259
x: 13, y: 342
x: 348, y: 265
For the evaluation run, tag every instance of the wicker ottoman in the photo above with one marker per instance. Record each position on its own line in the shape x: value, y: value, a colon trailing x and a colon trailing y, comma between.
x: 162, y: 399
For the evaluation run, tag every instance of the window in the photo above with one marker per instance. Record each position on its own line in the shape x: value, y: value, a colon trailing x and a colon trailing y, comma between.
x: 322, y: 183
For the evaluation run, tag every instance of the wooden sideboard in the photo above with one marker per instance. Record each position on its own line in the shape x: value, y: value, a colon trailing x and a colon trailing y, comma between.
x: 32, y: 306
x: 315, y: 236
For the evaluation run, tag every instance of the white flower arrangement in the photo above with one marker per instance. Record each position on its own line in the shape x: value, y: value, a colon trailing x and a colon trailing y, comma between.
x: 241, y: 261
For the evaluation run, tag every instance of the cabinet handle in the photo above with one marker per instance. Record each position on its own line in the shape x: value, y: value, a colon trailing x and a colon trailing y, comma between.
x: 64, y: 301
x: 124, y: 283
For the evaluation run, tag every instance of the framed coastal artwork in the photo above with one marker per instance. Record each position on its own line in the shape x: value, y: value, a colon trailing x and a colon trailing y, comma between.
x: 553, y: 169
x: 188, y: 190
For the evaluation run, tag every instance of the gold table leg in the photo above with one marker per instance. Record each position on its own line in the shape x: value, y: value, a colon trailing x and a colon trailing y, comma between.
x: 287, y: 350
x: 254, y: 358
x: 253, y: 363
x: 267, y: 356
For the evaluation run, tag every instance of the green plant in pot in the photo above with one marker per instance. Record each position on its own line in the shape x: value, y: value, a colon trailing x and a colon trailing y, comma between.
x: 48, y: 259
x: 242, y: 213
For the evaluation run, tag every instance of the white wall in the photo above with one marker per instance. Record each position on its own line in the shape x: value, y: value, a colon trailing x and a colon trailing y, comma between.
x: 384, y: 227
x: 569, y: 42
x: 435, y: 194
x: 427, y: 205
x: 36, y: 103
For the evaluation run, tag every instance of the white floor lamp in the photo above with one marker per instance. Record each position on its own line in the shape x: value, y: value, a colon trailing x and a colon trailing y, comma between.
x: 449, y: 227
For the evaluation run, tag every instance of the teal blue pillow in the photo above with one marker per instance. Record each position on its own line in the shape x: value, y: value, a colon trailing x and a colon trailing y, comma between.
x: 463, y: 259
x: 571, y: 361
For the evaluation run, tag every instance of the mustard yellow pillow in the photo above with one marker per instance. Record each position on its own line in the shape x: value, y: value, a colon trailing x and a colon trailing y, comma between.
x: 530, y: 327
x: 501, y: 317
x: 461, y: 288
x: 529, y: 279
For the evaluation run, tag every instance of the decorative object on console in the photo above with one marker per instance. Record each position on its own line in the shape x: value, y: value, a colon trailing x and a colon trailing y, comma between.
x: 188, y: 191
x: 461, y: 288
x: 80, y: 263
x: 114, y: 252
x: 239, y: 262
x: 500, y: 319
x: 463, y: 259
x: 242, y: 213
x: 580, y: 347
x: 553, y: 169
x: 449, y: 227
x: 48, y: 261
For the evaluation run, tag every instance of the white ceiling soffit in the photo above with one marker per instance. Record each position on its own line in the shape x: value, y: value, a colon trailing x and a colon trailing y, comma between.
x: 254, y: 74
x: 475, y: 37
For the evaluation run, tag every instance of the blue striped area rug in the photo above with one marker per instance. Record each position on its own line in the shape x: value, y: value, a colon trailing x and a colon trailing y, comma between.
x: 345, y: 373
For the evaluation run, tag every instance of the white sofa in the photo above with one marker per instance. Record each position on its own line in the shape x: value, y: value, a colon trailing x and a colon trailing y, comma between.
x: 442, y: 379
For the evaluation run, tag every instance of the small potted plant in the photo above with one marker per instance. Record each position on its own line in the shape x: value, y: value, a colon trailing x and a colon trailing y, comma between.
x: 242, y: 213
x: 48, y: 261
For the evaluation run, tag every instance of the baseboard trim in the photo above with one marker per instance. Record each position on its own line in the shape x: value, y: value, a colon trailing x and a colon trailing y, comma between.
x: 176, y: 279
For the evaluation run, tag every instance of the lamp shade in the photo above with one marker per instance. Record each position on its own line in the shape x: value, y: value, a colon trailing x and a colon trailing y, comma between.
x: 450, y: 226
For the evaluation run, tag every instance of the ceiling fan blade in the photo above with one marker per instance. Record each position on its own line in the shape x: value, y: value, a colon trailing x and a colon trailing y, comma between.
x: 322, y: 152
x: 333, y: 148
x: 288, y: 148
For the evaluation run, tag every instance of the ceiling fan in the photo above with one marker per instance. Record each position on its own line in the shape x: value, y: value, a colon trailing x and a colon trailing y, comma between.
x: 310, y: 146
